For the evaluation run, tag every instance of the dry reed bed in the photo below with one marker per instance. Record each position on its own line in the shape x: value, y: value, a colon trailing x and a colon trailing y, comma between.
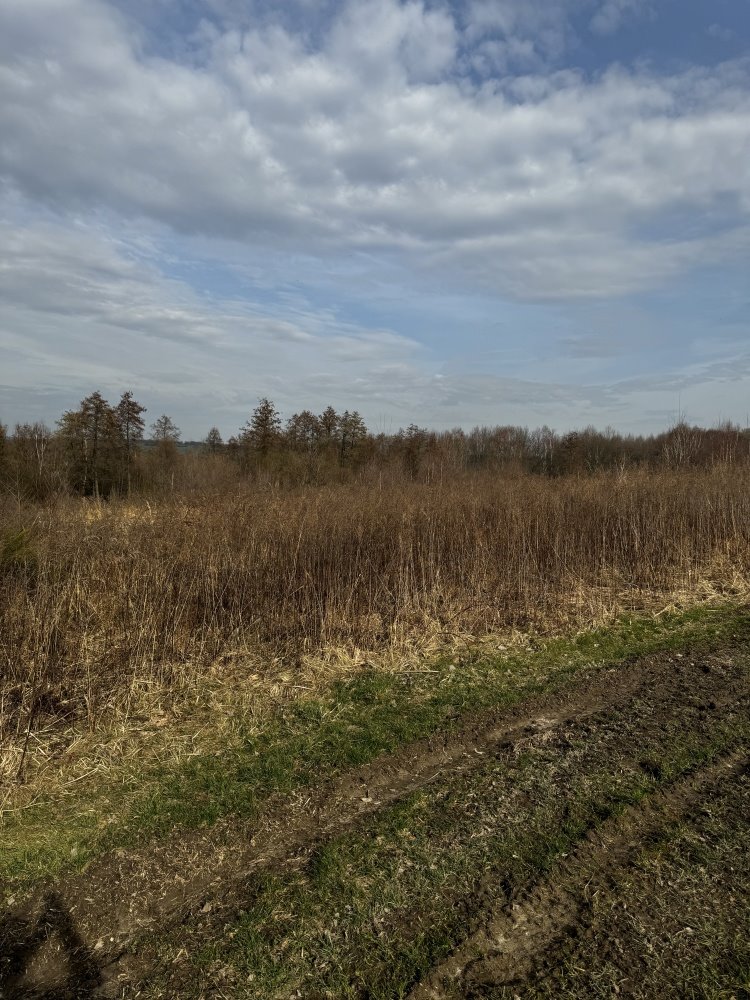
x: 111, y: 593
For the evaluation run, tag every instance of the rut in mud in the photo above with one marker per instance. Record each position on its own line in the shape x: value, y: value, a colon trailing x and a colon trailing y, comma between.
x: 604, y: 719
x: 523, y: 941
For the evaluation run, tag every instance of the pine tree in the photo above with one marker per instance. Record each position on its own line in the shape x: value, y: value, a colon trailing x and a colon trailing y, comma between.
x: 352, y: 432
x: 262, y: 432
x: 128, y: 414
x: 94, y: 442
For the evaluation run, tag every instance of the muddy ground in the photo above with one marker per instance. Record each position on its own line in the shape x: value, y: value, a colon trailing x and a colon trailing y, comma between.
x: 656, y: 885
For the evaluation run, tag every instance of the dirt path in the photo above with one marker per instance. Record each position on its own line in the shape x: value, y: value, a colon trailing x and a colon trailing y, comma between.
x: 521, y: 939
x: 90, y: 921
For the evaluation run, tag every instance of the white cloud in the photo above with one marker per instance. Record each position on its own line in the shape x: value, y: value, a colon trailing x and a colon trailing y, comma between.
x: 444, y: 148
x: 513, y: 34
x: 535, y: 185
x: 80, y: 309
x: 373, y: 37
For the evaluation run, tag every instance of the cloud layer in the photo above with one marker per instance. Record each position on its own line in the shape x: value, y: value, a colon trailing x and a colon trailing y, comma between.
x: 381, y: 136
x: 456, y: 146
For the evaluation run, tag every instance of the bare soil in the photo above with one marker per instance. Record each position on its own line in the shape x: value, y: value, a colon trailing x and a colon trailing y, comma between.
x: 77, y: 938
x: 522, y: 942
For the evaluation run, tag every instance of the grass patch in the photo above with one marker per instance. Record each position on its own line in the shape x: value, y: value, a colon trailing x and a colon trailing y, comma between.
x: 374, y: 910
x: 680, y: 917
x: 348, y: 724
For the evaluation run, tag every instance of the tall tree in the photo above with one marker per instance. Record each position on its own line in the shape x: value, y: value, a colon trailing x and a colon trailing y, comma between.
x: 129, y: 416
x: 213, y: 441
x: 352, y: 432
x: 262, y: 432
x: 92, y: 436
x: 166, y: 433
x: 303, y: 431
x: 329, y: 424
x: 165, y: 429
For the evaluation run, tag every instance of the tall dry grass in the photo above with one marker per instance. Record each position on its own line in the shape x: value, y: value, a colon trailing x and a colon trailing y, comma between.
x: 95, y: 596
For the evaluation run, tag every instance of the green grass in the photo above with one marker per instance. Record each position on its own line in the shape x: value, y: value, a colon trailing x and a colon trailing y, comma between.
x: 351, y: 723
x: 375, y: 909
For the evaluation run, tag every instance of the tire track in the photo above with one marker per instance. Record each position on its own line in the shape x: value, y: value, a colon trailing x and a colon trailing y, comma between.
x: 517, y: 940
x: 120, y: 896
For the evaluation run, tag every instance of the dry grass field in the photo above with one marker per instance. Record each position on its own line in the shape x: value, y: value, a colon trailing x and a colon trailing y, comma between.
x: 97, y: 596
x: 484, y: 738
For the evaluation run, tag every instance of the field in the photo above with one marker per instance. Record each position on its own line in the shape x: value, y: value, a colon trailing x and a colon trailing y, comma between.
x: 485, y: 738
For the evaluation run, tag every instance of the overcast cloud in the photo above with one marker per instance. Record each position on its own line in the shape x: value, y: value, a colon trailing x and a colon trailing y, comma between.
x: 372, y: 203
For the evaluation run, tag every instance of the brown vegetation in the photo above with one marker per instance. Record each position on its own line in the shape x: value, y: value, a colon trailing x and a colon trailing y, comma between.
x: 95, y: 595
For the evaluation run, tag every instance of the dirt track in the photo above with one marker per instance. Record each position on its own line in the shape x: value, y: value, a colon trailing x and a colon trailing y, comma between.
x: 513, y: 934
x: 523, y: 939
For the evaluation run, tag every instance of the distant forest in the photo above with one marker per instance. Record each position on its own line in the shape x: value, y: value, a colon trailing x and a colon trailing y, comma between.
x: 102, y: 450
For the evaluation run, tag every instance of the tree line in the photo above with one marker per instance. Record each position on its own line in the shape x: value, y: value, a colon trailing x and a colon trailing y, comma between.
x: 100, y: 450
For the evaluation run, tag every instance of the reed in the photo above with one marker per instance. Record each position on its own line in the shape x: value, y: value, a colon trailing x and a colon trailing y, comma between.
x: 95, y: 596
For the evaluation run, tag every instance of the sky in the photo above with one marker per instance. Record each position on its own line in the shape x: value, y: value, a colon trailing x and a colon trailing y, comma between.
x: 443, y: 213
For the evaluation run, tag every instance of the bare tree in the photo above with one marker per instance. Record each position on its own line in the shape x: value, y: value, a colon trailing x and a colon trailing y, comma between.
x: 165, y: 429
x: 213, y: 441
x: 31, y: 471
x: 3, y: 450
x: 329, y: 424
x: 303, y: 431
x: 681, y: 445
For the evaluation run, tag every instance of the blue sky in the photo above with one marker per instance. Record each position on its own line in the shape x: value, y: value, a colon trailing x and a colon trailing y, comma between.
x: 498, y: 211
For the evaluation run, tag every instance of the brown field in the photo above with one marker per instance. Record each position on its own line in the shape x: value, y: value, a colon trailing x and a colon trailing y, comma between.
x: 103, y: 594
